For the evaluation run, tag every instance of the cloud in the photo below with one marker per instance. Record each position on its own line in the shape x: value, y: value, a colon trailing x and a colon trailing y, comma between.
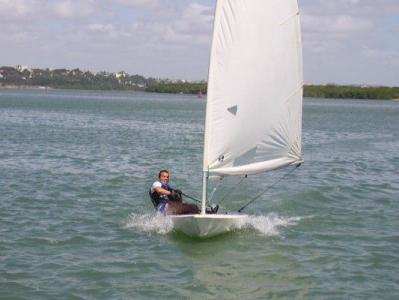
x: 17, y: 10
x: 101, y: 28
x: 26, y: 11
x: 357, y: 8
x: 340, y: 26
x: 104, y: 32
x: 151, y: 4
x: 72, y: 9
x: 331, y: 26
x: 343, y: 38
x: 195, y: 19
x: 327, y: 34
x: 383, y: 56
x: 176, y: 26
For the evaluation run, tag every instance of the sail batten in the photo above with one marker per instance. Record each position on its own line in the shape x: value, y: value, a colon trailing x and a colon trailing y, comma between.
x: 254, y: 106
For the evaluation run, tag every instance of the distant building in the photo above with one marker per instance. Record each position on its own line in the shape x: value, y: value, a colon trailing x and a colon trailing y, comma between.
x: 121, y: 74
x: 76, y: 72
x: 22, y: 68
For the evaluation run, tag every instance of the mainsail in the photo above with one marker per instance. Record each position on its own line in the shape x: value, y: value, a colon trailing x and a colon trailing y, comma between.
x: 254, y: 103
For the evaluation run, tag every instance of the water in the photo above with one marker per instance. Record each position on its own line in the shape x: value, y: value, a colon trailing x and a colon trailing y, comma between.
x: 76, y: 221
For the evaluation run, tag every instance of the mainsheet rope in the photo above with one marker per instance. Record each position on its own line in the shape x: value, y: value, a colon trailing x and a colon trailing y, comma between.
x: 192, y: 198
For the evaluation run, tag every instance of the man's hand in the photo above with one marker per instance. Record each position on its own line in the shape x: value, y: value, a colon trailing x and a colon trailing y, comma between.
x: 178, y: 192
x: 175, y: 196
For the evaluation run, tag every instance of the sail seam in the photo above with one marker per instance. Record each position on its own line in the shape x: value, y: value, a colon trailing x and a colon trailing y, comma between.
x: 289, y: 18
x: 294, y: 93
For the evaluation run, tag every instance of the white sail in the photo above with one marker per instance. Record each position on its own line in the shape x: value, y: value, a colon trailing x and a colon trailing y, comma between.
x: 254, y: 103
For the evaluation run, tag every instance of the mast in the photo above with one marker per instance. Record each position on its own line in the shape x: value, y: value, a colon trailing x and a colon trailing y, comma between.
x: 205, y: 167
x: 204, y: 188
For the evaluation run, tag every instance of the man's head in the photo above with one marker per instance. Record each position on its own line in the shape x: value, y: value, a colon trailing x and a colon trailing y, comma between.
x: 163, y: 176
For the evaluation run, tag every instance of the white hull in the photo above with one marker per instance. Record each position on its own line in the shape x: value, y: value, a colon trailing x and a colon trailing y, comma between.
x: 207, y: 225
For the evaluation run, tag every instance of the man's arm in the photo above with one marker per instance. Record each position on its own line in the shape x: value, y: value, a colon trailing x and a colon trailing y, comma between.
x: 162, y: 191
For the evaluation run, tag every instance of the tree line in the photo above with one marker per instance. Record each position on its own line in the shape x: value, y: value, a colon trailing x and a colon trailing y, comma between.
x: 310, y: 91
x: 351, y: 92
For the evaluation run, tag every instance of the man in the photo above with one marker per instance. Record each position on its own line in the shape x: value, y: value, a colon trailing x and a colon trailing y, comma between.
x: 169, y: 201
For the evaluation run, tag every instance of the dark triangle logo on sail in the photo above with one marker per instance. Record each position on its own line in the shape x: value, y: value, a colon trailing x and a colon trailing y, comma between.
x: 233, y: 109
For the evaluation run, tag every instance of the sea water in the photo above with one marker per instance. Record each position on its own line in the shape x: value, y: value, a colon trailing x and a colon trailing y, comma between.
x: 76, y: 221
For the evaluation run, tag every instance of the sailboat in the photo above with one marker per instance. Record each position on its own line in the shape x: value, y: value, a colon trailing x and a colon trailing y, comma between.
x: 254, y: 104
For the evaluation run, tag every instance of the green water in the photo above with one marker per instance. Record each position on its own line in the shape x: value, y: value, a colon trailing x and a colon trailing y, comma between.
x: 76, y: 221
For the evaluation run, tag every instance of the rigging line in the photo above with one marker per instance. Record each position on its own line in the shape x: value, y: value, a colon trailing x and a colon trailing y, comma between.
x: 268, y: 188
x: 233, y: 189
x: 214, y: 189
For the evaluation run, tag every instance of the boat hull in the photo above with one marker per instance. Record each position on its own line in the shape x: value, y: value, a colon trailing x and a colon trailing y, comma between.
x: 207, y: 225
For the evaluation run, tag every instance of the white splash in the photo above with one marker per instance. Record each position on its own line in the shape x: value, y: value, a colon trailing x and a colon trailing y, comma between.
x: 150, y: 223
x: 270, y: 225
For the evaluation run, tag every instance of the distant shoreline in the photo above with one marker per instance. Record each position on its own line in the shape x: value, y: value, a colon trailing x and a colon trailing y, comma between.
x: 24, y: 87
x: 46, y: 79
x: 46, y: 88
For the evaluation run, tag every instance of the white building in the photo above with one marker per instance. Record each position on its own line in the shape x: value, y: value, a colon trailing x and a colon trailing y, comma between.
x: 22, y: 68
x: 120, y: 75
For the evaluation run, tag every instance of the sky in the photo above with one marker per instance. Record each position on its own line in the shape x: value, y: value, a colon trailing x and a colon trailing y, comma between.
x: 344, y: 41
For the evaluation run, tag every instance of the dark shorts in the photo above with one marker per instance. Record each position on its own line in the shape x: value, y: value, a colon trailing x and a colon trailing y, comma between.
x: 162, y: 208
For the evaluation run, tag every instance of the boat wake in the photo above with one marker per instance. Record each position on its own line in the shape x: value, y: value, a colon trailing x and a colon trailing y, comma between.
x: 269, y: 225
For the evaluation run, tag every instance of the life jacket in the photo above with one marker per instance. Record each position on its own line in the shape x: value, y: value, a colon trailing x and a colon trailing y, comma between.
x: 157, y: 198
